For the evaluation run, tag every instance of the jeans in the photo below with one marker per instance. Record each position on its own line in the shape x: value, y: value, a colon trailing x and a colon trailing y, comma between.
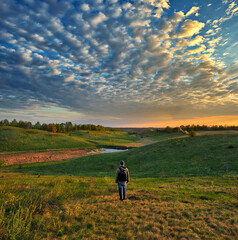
x: 122, y: 186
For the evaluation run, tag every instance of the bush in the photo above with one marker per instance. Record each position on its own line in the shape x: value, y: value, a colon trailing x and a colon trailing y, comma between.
x: 192, y: 133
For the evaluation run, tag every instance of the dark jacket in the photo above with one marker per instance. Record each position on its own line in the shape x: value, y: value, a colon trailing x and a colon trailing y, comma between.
x: 127, y: 174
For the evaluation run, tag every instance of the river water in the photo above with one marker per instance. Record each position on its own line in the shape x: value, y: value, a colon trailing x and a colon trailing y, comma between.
x: 109, y: 150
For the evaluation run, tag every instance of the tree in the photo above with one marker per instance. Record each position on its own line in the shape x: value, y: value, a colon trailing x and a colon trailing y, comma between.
x: 14, y: 123
x: 75, y: 127
x: 5, y: 122
x: 37, y: 126
x: 45, y: 126
x: 52, y: 128
x: 168, y: 129
x: 68, y: 126
x: 28, y: 125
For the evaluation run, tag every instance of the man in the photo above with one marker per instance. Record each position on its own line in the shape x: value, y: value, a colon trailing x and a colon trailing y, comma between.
x: 122, y: 178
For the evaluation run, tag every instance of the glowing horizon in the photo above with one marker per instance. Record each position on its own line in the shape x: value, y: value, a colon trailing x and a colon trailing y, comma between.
x: 208, y: 121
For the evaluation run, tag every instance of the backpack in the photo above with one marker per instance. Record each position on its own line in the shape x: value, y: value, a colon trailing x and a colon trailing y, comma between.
x: 122, y: 176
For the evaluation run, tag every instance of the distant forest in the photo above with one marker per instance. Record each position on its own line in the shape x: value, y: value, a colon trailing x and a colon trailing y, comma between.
x: 189, y: 128
x: 55, y: 127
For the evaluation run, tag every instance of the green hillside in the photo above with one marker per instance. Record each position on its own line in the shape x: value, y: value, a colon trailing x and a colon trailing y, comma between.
x: 198, y: 156
x: 106, y: 138
x: 18, y: 139
x: 179, y: 189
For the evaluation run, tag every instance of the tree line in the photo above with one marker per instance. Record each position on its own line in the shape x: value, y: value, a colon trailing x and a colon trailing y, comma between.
x: 207, y: 128
x: 55, y: 127
x: 189, y: 128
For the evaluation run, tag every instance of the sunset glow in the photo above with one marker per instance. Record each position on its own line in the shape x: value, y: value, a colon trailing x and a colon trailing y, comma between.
x: 144, y: 63
x: 209, y: 121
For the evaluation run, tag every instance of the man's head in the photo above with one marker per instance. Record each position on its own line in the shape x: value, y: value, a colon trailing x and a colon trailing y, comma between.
x: 122, y: 163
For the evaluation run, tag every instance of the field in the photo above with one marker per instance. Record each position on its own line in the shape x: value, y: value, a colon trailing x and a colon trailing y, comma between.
x: 107, y: 138
x: 176, y: 157
x: 180, y: 188
x: 18, y: 139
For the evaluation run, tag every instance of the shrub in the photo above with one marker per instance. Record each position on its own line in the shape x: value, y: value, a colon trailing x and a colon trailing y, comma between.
x: 231, y: 146
x: 192, y: 133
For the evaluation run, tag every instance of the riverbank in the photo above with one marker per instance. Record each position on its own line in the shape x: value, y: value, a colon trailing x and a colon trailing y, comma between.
x: 48, y: 156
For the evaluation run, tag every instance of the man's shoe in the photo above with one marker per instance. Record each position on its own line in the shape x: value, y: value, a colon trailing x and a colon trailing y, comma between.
x: 121, y: 198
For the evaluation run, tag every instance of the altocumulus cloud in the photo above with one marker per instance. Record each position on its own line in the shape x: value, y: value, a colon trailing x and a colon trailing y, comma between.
x: 115, y: 58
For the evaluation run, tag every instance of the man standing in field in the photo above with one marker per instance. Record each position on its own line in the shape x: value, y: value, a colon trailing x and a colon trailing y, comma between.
x: 122, y: 178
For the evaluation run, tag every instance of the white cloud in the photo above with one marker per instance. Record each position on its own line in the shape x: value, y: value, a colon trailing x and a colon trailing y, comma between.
x: 196, y: 50
x: 85, y: 7
x: 69, y: 78
x: 197, y: 40
x: 229, y: 9
x: 192, y: 11
x: 190, y: 28
x: 98, y: 19
x: 117, y: 12
x: 214, y: 41
x: 38, y: 37
x: 111, y: 53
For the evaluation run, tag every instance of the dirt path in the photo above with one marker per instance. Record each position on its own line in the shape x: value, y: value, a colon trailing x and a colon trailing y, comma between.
x: 141, y: 142
x: 53, y: 155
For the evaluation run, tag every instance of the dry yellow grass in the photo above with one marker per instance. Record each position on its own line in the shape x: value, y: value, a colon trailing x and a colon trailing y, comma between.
x: 142, y: 216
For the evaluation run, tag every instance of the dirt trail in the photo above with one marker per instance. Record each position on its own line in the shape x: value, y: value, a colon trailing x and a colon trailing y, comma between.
x: 53, y: 155
x: 141, y: 142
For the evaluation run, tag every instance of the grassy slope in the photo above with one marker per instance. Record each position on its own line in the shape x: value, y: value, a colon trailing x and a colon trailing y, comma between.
x: 17, y: 139
x: 106, y: 137
x: 198, y: 156
x: 159, y: 136
x: 192, y: 203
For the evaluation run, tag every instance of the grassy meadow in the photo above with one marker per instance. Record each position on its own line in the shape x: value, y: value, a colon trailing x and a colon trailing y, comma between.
x: 106, y: 138
x: 180, y: 188
x: 69, y: 207
x: 18, y: 139
x: 177, y: 157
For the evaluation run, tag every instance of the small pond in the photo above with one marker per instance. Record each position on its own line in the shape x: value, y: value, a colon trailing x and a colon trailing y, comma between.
x: 110, y: 150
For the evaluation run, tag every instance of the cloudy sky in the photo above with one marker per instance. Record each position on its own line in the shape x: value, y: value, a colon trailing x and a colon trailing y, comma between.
x: 119, y: 63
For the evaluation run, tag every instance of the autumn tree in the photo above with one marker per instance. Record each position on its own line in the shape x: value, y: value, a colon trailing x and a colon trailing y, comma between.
x: 52, y: 128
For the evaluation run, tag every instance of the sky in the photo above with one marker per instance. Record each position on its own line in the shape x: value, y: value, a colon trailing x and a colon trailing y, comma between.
x: 150, y: 63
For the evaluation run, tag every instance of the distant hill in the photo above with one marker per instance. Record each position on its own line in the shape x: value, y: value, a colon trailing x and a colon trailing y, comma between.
x: 19, y: 139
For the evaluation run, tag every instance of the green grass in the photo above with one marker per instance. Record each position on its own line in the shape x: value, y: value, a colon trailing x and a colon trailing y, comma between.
x: 181, y: 188
x: 69, y: 207
x: 106, y: 138
x: 159, y: 136
x: 198, y: 156
x: 18, y: 139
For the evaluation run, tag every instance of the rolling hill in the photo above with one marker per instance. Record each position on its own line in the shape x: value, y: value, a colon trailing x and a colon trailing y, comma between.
x: 176, y: 157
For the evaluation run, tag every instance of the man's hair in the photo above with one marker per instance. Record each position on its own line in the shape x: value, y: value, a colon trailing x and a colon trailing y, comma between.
x: 122, y: 163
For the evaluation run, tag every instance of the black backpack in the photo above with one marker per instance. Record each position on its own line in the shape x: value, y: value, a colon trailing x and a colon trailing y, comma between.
x: 122, y: 176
